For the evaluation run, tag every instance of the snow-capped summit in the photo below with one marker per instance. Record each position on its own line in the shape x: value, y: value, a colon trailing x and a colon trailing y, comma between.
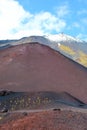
x: 62, y: 37
x: 67, y: 45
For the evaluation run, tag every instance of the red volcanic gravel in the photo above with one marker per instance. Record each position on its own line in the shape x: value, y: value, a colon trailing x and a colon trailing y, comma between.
x: 48, y: 120
x: 35, y: 67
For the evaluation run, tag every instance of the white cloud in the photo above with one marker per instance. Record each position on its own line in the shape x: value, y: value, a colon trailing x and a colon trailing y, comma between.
x: 47, y: 22
x: 11, y: 16
x: 15, y: 22
x: 63, y: 10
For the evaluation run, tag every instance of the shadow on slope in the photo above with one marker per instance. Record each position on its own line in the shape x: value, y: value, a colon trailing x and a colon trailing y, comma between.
x: 36, y: 100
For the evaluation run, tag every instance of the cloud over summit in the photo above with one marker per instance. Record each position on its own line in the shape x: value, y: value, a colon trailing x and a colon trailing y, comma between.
x: 16, y: 22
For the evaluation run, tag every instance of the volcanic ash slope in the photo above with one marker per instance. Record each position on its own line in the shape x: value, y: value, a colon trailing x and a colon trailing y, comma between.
x: 35, y: 67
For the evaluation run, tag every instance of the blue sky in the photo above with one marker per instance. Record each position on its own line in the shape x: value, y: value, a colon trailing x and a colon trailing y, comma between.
x: 20, y: 18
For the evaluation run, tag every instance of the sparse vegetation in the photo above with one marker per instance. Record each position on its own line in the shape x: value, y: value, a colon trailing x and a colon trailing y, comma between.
x: 82, y: 58
x: 22, y: 102
x: 67, y: 49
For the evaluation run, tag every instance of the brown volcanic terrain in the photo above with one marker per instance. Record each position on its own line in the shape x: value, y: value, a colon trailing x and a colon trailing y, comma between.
x: 49, y: 90
x: 46, y: 120
x: 35, y: 67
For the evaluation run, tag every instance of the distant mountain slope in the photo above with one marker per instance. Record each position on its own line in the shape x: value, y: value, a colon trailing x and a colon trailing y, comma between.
x: 6, y: 41
x: 71, y: 47
x: 63, y: 37
x: 35, y: 67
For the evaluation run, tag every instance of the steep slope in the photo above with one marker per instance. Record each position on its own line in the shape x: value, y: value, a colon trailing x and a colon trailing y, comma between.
x: 35, y: 67
x: 69, y: 46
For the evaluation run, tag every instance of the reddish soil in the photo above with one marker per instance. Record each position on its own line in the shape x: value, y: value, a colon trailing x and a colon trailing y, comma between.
x: 47, y: 120
x: 51, y: 77
x: 35, y: 67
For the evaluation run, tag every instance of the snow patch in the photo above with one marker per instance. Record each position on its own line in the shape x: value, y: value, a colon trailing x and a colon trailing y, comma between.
x: 62, y: 37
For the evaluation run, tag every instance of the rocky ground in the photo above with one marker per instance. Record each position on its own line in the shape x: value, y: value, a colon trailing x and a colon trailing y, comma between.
x: 43, y: 111
x: 56, y: 119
